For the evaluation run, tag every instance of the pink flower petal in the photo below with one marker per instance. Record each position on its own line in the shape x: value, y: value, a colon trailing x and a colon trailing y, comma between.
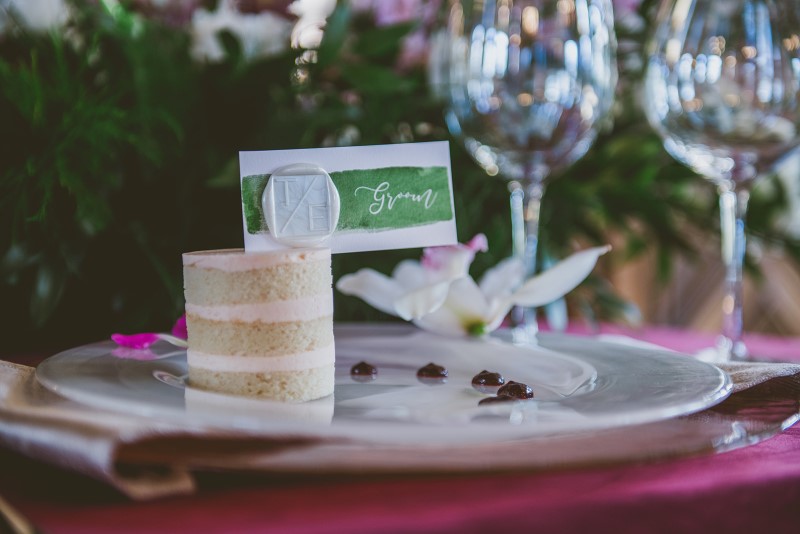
x: 135, y: 341
x: 179, y: 329
x: 436, y: 258
x: 479, y: 243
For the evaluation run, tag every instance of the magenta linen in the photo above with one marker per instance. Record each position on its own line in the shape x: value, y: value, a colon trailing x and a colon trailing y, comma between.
x: 755, y: 489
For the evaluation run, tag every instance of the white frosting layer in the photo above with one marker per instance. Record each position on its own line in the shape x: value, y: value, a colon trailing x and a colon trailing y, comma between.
x: 262, y: 364
x: 277, y: 311
x: 236, y: 259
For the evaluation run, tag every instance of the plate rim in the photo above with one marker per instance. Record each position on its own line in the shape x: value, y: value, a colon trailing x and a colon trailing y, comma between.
x: 341, y: 428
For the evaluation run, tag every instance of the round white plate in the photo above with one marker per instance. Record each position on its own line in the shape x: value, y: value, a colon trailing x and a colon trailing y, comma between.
x: 579, y: 384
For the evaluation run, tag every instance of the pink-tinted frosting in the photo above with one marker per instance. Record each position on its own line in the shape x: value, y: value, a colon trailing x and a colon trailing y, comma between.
x: 235, y: 260
x: 277, y: 311
x: 262, y: 364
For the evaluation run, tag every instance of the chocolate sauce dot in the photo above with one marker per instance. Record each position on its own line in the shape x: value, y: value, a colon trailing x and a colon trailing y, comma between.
x: 515, y: 390
x: 496, y: 400
x: 487, y: 381
x: 363, y: 372
x: 432, y: 374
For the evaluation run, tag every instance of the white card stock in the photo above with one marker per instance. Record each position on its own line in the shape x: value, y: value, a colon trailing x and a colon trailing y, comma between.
x: 350, y: 199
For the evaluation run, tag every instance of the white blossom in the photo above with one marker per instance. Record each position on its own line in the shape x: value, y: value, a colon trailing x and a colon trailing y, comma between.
x: 260, y: 35
x: 438, y: 295
x: 34, y: 15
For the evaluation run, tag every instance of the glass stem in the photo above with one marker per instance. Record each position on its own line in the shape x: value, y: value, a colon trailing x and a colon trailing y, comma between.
x: 525, y: 208
x: 733, y: 209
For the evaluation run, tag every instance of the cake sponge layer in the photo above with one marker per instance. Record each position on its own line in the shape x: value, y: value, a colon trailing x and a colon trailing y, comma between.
x: 294, y: 386
x: 257, y: 338
x: 210, y: 287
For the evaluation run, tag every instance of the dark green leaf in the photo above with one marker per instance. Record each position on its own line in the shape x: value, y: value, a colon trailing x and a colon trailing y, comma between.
x: 375, y: 79
x: 48, y: 289
x: 381, y: 42
x: 333, y: 39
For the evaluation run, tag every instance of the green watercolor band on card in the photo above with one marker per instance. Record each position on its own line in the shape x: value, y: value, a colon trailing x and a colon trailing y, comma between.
x: 252, y: 190
x: 371, y: 199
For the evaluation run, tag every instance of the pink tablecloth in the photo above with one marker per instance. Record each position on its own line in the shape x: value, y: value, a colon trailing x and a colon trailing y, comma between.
x: 746, y: 490
x: 761, y: 346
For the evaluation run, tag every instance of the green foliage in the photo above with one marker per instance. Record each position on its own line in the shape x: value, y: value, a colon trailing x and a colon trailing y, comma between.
x: 118, y: 152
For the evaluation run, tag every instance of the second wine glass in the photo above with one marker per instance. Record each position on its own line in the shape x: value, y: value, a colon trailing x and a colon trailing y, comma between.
x: 527, y: 84
x: 722, y: 89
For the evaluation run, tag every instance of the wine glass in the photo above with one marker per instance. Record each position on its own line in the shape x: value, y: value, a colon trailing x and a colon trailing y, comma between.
x: 721, y: 88
x: 527, y: 84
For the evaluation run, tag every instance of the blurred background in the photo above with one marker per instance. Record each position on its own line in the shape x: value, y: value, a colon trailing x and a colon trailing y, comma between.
x: 121, y: 123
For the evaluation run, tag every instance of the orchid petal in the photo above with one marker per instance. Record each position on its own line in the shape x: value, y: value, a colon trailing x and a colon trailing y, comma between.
x: 466, y: 299
x: 374, y: 288
x: 495, y: 319
x: 422, y: 301
x: 453, y: 261
x: 135, y: 341
x: 443, y: 321
x: 145, y: 340
x: 464, y: 308
x: 498, y: 310
x: 559, y: 280
x: 179, y: 328
x: 410, y: 274
x: 501, y: 280
x: 450, y: 262
x: 479, y: 243
x: 437, y: 292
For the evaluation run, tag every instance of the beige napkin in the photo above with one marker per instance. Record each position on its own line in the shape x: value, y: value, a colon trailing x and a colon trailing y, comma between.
x: 141, y: 457
x: 146, y: 459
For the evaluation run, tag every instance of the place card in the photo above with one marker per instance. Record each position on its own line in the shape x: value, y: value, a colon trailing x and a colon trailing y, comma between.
x: 350, y: 199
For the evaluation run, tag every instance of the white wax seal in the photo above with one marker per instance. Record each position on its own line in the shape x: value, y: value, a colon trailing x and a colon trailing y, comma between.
x: 301, y: 205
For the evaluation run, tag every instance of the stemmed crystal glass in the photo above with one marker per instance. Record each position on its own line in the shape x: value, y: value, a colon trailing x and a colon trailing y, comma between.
x: 527, y: 84
x: 721, y: 88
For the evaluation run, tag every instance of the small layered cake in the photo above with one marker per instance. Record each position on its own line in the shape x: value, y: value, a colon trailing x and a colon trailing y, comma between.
x: 260, y: 324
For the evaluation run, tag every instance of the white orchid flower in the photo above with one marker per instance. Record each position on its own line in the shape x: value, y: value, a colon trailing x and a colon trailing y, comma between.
x: 437, y: 294
x: 477, y: 309
x: 416, y: 288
